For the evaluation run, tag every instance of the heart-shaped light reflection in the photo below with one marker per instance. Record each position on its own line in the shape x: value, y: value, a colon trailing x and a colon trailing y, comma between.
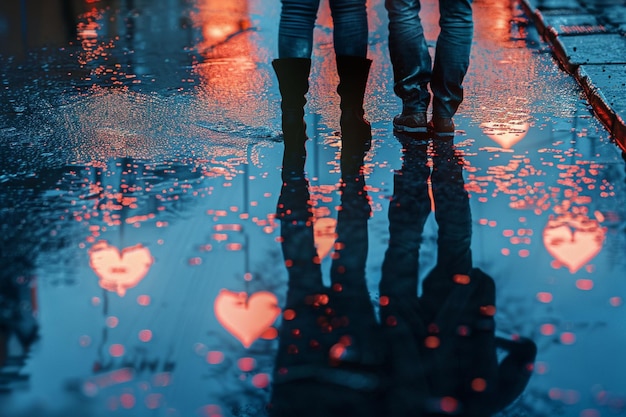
x: 573, y: 240
x: 119, y: 270
x: 246, y: 318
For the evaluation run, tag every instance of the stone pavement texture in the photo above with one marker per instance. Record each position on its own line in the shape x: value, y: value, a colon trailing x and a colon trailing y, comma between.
x: 588, y: 38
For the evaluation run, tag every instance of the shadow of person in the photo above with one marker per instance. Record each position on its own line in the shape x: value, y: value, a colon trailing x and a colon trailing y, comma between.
x: 441, y: 346
x: 328, y: 361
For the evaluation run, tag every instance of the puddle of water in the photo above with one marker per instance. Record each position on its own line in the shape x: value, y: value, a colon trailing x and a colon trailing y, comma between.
x: 145, y: 272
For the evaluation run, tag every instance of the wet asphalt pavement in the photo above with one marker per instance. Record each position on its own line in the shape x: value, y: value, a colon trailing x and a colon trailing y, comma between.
x: 143, y: 269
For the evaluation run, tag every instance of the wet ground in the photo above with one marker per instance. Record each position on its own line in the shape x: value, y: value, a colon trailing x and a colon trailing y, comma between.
x: 142, y: 265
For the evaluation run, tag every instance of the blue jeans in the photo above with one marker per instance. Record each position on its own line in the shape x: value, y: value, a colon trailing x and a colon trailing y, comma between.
x: 413, y: 69
x: 297, y: 20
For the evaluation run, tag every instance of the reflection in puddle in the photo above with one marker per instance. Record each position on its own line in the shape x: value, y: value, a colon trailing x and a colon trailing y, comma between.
x: 119, y: 270
x: 506, y: 134
x: 573, y: 240
x: 142, y: 270
x: 246, y: 317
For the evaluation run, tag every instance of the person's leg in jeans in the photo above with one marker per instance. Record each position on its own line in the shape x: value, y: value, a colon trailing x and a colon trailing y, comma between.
x: 350, y: 36
x: 412, y: 65
x: 295, y: 32
x: 350, y: 27
x: 451, y: 62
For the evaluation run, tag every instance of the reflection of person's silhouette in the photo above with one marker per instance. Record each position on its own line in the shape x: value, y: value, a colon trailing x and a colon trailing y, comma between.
x: 442, y: 347
x: 328, y: 357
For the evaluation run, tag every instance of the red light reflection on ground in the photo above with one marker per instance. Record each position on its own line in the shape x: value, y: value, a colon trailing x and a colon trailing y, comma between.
x: 506, y: 134
x: 544, y: 297
x: 261, y: 380
x: 214, y: 357
x: 116, y: 350
x: 246, y: 318
x: 573, y: 239
x: 246, y: 364
x: 324, y: 235
x: 211, y: 411
x: 118, y: 271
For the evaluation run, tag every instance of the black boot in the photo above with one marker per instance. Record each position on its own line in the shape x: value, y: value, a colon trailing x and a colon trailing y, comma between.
x: 293, y: 83
x: 356, y: 132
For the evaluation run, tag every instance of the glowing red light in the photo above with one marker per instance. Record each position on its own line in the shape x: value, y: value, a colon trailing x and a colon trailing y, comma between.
x: 573, y: 239
x: 479, y: 384
x: 555, y: 393
x: 119, y: 270
x: 461, y: 279
x: 214, y: 357
x: 568, y: 338
x: 448, y: 404
x: 547, y: 329
x: 337, y: 351
x: 246, y: 364
x: 544, y: 297
x: 116, y: 350
x: 143, y: 300
x: 127, y: 400
x: 324, y: 235
x: 211, y: 410
x: 431, y: 342
x: 584, y: 284
x: 269, y: 334
x: 488, y: 310
x: 261, y: 380
x: 246, y: 318
x: 145, y: 335
x: 289, y: 314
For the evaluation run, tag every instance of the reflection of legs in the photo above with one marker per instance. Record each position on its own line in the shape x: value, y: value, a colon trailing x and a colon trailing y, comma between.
x: 451, y: 56
x: 350, y: 298
x: 400, y: 313
x: 452, y: 210
x: 408, y: 211
x: 411, y: 63
x: 295, y: 33
x: 305, y: 275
